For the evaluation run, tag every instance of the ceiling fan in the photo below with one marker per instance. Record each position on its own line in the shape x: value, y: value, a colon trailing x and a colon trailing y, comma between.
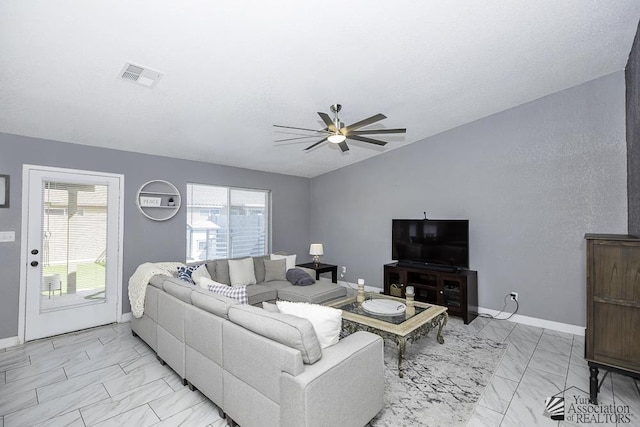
x: 337, y: 133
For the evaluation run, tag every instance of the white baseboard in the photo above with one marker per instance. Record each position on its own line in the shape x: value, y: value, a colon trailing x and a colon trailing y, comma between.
x: 540, y: 323
x: 517, y: 318
x: 9, y: 342
x: 126, y: 317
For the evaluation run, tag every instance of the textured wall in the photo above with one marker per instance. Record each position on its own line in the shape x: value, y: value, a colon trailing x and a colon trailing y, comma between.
x: 532, y: 180
x: 144, y: 240
x: 632, y: 77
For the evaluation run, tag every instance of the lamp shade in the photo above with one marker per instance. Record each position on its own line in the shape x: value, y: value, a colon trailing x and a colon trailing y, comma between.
x: 316, y: 249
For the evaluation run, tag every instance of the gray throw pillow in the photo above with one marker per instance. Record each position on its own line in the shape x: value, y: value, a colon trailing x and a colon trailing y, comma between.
x: 211, y: 267
x: 275, y: 270
x: 258, y: 265
x: 222, y: 272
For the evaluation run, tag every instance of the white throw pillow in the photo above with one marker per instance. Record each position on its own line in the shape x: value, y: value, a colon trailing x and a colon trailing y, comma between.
x: 242, y: 272
x: 326, y: 321
x: 290, y: 260
x: 204, y: 283
x: 200, y: 272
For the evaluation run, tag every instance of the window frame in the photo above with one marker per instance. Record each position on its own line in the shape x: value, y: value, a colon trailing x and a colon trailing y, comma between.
x: 227, y: 211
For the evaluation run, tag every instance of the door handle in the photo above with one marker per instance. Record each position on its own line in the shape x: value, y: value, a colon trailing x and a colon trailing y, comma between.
x: 34, y: 263
x: 34, y: 251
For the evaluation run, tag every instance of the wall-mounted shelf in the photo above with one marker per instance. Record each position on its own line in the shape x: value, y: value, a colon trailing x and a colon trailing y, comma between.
x: 158, y: 200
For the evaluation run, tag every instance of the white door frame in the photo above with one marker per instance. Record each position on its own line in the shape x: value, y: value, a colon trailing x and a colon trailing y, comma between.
x: 26, y: 169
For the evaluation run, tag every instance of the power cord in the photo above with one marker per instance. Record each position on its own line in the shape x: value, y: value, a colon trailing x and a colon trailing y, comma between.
x: 346, y: 281
x: 502, y: 310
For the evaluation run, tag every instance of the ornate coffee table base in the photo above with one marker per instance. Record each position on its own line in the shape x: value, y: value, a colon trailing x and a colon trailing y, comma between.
x: 440, y: 321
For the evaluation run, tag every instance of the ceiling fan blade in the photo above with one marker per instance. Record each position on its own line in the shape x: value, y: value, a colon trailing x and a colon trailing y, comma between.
x: 327, y: 121
x: 310, y: 130
x: 365, y: 122
x: 373, y: 131
x: 343, y: 146
x: 293, y: 139
x: 313, y: 145
x: 365, y: 139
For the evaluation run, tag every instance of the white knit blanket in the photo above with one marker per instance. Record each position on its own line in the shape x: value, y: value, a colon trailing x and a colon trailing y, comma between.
x: 140, y: 278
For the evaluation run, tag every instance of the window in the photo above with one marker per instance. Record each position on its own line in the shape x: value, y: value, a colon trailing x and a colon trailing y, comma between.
x: 225, y: 222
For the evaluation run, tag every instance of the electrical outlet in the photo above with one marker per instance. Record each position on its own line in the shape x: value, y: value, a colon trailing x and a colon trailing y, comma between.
x: 514, y: 296
x: 343, y: 272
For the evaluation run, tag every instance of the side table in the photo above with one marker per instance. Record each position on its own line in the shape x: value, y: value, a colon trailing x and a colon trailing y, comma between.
x: 322, y: 268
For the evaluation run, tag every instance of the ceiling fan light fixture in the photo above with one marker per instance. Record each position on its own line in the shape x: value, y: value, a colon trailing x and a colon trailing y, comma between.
x: 336, y: 138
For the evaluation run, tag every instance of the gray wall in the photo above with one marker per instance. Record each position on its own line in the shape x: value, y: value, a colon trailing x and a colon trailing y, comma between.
x: 632, y: 77
x: 532, y: 180
x: 144, y: 240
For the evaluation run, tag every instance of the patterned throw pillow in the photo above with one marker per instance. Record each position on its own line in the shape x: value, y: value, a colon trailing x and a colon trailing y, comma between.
x: 238, y: 293
x: 184, y: 273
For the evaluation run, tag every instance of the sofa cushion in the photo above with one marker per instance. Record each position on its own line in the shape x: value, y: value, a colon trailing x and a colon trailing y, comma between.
x: 212, y: 303
x: 179, y: 289
x: 276, y: 285
x: 326, y: 321
x: 259, y: 293
x: 290, y: 259
x: 258, y: 266
x: 242, y: 272
x: 320, y: 292
x: 211, y: 268
x: 275, y: 269
x: 157, y: 281
x: 292, y: 331
x: 222, y: 271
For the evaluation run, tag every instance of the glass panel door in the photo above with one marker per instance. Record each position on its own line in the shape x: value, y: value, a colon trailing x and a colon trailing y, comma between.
x: 74, y: 250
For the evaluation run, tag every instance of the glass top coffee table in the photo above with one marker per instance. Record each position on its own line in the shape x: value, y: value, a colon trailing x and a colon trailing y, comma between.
x: 397, y: 328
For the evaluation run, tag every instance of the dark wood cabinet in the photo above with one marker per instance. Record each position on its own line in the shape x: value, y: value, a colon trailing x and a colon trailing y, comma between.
x: 612, y: 338
x: 456, y: 290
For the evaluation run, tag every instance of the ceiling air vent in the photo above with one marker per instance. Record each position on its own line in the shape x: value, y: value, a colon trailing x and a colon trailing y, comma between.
x: 141, y: 75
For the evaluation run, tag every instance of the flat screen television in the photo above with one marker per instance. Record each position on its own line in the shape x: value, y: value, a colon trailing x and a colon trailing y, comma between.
x: 431, y: 241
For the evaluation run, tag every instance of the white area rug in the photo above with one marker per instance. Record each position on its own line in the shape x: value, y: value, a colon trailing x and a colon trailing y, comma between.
x: 441, y: 383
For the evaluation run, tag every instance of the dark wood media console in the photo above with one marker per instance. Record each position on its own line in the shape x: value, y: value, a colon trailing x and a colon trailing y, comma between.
x: 456, y: 290
x: 612, y: 337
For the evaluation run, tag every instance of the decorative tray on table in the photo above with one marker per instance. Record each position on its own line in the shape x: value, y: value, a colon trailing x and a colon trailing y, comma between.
x: 384, y: 307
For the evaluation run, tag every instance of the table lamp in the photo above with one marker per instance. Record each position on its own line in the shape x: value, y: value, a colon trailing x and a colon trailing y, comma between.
x: 316, y: 250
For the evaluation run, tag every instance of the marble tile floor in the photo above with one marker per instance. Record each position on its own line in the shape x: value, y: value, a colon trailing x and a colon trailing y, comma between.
x: 98, y: 377
x: 104, y: 376
x: 538, y: 364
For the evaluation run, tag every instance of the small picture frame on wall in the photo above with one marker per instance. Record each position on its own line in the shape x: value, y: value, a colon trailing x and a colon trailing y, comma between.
x: 4, y: 191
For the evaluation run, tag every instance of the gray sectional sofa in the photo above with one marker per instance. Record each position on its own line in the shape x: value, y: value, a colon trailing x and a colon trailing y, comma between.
x: 262, y: 368
x: 322, y: 291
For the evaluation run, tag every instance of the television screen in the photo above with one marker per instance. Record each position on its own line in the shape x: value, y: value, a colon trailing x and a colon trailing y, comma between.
x: 431, y: 241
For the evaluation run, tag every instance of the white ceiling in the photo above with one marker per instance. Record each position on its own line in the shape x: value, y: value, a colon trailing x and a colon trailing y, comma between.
x: 232, y: 69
